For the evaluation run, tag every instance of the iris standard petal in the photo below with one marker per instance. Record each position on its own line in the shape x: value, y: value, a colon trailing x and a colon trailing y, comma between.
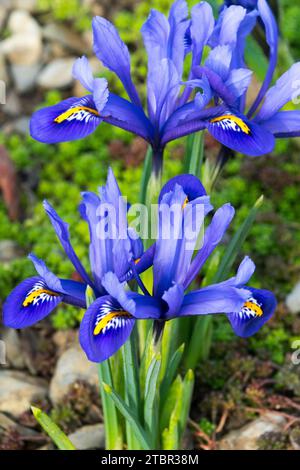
x: 82, y: 71
x: 163, y: 89
x: 281, y: 93
x: 29, y: 302
x: 255, y: 312
x: 219, y: 60
x: 164, y: 39
x: 114, y: 54
x: 73, y: 118
x: 231, y: 19
x: 284, y: 124
x: 155, y: 32
x: 62, y: 231
x: 105, y: 327
x: 178, y: 26
x: 241, y: 135
x: 201, y: 28
x: 238, y: 81
x: 100, y: 93
x: 212, y: 237
x: 272, y: 35
x: 214, y: 299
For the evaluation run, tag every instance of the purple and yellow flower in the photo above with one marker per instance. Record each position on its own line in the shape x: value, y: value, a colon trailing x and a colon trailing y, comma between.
x: 115, y: 260
x: 213, y: 97
x: 109, y: 321
x: 36, y: 297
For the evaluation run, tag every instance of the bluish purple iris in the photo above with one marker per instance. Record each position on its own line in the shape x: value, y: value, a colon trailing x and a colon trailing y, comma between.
x: 36, y: 297
x: 114, y: 261
x: 213, y: 97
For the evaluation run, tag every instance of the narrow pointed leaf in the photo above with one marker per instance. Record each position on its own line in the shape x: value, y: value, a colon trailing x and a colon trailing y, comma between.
x: 150, y: 401
x: 170, y: 373
x: 53, y: 431
x: 124, y: 409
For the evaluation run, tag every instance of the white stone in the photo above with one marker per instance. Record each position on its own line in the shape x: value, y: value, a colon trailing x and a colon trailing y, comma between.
x: 3, y: 70
x: 57, y: 74
x: 18, y: 392
x: 13, y: 350
x: 21, y: 21
x: 24, y: 46
x: 28, y: 5
x: 293, y: 299
x: 71, y: 367
x: 248, y: 436
x: 88, y: 437
x: 66, y: 37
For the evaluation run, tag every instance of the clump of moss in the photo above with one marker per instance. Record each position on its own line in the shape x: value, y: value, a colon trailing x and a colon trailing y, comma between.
x: 288, y: 379
x: 80, y: 406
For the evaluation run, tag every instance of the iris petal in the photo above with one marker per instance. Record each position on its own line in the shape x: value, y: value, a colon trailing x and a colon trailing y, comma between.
x: 256, y: 311
x: 71, y: 119
x: 62, y: 231
x: 29, y: 302
x: 241, y: 135
x: 104, y: 329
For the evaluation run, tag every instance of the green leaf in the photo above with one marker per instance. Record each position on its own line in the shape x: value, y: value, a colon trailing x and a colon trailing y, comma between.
x: 132, y: 419
x: 151, y: 407
x: 54, y: 432
x: 170, y: 373
x: 187, y: 393
x: 194, y: 154
x: 237, y: 241
x: 175, y: 392
x: 171, y: 434
x: 132, y: 392
x: 113, y: 433
x: 146, y: 176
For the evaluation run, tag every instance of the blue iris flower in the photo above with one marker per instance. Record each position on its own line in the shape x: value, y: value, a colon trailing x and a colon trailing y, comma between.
x: 109, y: 321
x: 114, y: 261
x: 36, y: 297
x: 212, y: 97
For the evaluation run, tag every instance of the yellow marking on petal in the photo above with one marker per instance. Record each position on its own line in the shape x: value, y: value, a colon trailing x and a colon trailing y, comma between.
x: 64, y: 116
x: 33, y: 295
x: 137, y: 260
x: 105, y: 320
x: 256, y: 308
x: 242, y: 125
x: 186, y: 201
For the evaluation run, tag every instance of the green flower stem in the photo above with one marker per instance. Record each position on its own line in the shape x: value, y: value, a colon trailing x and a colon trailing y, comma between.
x: 113, y: 432
x: 132, y: 386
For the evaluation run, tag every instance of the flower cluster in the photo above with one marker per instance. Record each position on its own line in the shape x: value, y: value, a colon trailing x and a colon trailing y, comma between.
x: 115, y: 261
x: 212, y: 96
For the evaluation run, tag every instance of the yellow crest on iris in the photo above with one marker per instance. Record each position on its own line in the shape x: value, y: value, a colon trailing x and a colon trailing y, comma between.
x: 231, y: 118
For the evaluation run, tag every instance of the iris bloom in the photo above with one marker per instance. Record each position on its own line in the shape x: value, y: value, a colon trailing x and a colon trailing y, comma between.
x: 36, y: 297
x: 251, y: 132
x: 109, y: 320
x: 212, y: 97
